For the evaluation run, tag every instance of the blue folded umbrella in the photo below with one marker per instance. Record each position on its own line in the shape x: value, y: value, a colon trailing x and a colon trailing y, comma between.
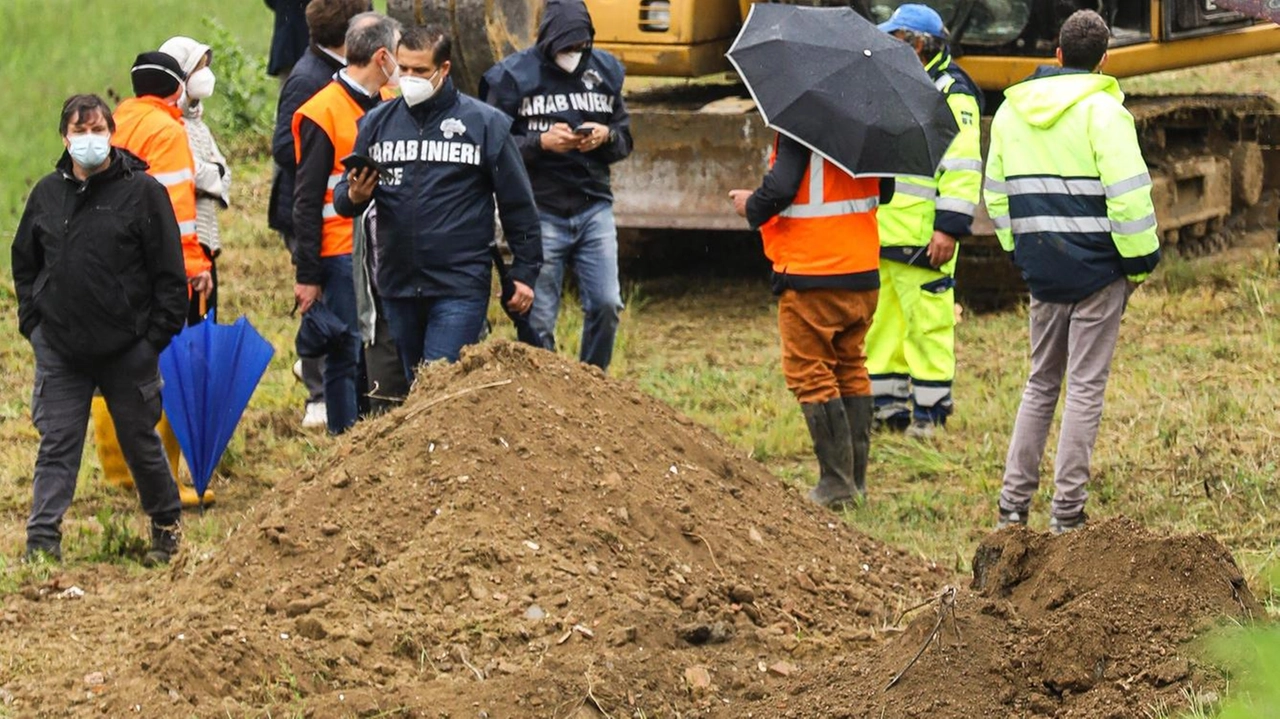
x: 210, y: 371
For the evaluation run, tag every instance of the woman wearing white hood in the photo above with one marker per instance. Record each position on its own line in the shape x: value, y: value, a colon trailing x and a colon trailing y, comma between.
x: 213, y: 177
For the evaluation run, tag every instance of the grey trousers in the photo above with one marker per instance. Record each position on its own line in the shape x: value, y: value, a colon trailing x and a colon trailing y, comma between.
x: 130, y: 383
x: 1078, y: 340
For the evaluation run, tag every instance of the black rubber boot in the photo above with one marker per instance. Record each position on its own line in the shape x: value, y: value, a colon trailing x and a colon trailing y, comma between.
x: 164, y: 545
x: 861, y: 413
x: 829, y: 428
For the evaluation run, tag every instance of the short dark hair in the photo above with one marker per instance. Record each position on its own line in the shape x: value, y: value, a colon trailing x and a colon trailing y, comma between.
x: 430, y: 38
x: 327, y: 20
x: 1083, y: 39
x: 79, y: 108
x: 368, y: 33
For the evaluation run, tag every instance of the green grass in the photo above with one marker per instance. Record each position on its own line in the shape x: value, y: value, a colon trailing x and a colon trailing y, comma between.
x: 57, y: 48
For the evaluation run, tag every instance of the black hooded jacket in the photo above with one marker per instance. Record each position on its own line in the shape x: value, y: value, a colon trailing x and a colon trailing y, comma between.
x: 536, y: 93
x: 98, y: 264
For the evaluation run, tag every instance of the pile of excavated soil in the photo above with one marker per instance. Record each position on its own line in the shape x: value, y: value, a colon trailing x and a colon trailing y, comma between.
x: 1093, y: 624
x: 525, y: 537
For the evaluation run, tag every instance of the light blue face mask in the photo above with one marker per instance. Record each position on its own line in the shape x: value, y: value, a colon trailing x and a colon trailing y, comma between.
x: 89, y: 150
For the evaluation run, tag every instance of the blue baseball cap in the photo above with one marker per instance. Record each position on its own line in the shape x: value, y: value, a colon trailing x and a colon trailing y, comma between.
x: 915, y: 18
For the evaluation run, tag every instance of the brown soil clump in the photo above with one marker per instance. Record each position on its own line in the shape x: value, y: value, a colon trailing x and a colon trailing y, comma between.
x: 1091, y: 624
x: 525, y: 537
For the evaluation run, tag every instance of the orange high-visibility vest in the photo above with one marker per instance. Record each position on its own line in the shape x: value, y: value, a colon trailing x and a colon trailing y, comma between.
x: 830, y: 228
x: 336, y: 114
x: 153, y: 130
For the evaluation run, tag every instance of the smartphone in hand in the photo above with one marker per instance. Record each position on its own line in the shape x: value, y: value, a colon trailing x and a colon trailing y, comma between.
x: 582, y: 131
x: 354, y: 162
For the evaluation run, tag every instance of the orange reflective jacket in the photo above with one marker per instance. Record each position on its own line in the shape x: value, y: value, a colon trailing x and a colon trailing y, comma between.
x: 829, y: 231
x: 335, y: 113
x: 153, y: 130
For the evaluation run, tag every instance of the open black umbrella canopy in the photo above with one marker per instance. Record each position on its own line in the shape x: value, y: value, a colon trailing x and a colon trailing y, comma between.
x: 837, y: 84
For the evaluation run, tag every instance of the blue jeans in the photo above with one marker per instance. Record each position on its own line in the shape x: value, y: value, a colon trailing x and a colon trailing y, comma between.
x: 342, y: 364
x: 590, y: 240
x: 433, y: 328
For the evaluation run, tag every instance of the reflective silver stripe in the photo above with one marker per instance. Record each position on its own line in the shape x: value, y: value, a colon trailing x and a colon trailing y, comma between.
x: 329, y: 211
x: 169, y: 179
x: 1002, y: 222
x: 1054, y: 186
x: 951, y: 204
x: 930, y: 396
x: 996, y: 186
x: 1050, y: 223
x: 1117, y: 189
x: 942, y: 82
x: 187, y: 228
x: 960, y: 163
x: 1133, y: 227
x: 898, y: 387
x: 817, y: 183
x: 831, y: 209
x: 334, y: 180
x: 908, y: 188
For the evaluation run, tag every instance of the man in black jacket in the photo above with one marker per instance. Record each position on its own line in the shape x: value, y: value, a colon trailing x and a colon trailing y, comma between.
x: 449, y: 158
x: 327, y: 21
x: 97, y: 264
x: 570, y: 124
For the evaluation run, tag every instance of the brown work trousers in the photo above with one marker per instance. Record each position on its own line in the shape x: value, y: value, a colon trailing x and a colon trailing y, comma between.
x: 824, y: 332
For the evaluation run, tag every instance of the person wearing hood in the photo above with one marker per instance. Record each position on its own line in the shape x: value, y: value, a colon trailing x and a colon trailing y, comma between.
x: 97, y: 266
x: 449, y: 159
x: 213, y: 177
x: 1070, y: 196
x: 911, y: 346
x: 571, y: 124
x: 151, y: 126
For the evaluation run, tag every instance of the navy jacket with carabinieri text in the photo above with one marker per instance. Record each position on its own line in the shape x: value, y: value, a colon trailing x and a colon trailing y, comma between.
x: 450, y: 157
x: 537, y: 93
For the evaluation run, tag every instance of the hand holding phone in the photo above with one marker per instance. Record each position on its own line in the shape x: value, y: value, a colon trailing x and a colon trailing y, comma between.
x: 582, y: 130
x: 354, y: 162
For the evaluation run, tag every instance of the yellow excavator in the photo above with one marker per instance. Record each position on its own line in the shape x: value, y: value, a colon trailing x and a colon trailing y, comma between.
x: 1215, y: 159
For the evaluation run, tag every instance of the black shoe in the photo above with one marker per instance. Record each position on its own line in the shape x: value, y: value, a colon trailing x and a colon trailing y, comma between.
x: 1008, y: 518
x: 164, y: 545
x: 38, y: 554
x: 1062, y: 525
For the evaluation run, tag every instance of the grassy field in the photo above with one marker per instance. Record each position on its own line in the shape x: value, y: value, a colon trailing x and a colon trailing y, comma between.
x: 1189, y: 441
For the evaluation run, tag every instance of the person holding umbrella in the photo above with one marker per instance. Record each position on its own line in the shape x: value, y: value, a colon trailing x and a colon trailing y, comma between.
x: 816, y: 209
x: 911, y: 348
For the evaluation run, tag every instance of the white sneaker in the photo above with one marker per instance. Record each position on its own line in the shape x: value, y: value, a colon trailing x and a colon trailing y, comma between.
x: 297, y: 370
x: 316, y: 416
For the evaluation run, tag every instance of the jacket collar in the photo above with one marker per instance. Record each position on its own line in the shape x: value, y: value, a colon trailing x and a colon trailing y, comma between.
x: 158, y: 103
x: 123, y: 163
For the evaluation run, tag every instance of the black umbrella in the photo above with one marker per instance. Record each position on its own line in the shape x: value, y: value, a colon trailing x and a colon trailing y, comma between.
x: 524, y: 329
x: 851, y: 93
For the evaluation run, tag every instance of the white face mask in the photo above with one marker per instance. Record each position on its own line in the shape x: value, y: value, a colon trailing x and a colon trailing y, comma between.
x: 89, y: 150
x: 393, y: 77
x: 569, y: 61
x: 417, y: 90
x: 200, y: 84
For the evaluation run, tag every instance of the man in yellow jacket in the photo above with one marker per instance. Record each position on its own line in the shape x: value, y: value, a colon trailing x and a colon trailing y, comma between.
x: 1070, y: 197
x: 911, y: 345
x: 150, y: 126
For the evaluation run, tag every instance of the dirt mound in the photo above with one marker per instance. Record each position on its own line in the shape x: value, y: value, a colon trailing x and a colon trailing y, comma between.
x: 525, y: 537
x: 1092, y: 624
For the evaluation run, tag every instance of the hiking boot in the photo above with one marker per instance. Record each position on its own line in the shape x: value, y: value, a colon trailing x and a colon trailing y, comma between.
x: 316, y: 416
x: 861, y: 414
x: 42, y: 554
x: 164, y: 545
x: 920, y: 429
x: 1062, y: 525
x: 829, y: 428
x: 1010, y: 517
